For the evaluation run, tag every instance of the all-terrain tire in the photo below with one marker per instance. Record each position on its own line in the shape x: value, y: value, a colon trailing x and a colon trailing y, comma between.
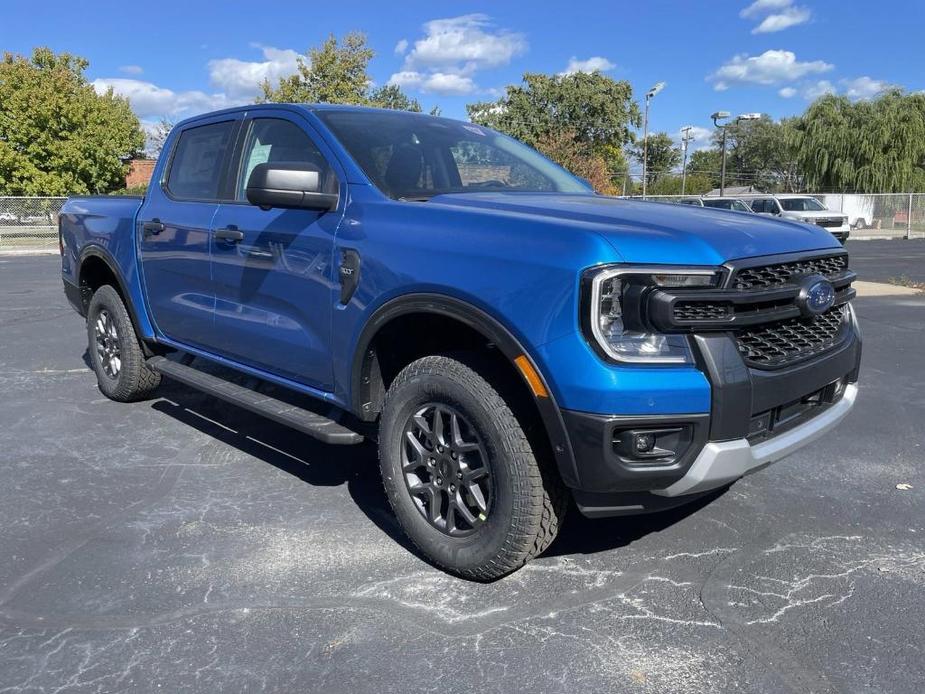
x: 115, y: 352
x: 528, y: 499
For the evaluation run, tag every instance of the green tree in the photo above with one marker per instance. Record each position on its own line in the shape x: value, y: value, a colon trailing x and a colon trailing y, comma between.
x: 865, y: 146
x: 598, y: 111
x: 564, y: 148
x: 762, y: 153
x: 57, y: 135
x: 661, y: 153
x: 391, y: 96
x: 336, y: 73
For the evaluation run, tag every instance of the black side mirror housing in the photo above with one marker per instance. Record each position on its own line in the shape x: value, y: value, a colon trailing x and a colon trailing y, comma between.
x: 288, y: 185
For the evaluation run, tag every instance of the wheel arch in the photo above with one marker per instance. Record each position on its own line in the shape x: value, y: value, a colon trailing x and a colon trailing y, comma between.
x: 367, y: 386
x: 97, y: 267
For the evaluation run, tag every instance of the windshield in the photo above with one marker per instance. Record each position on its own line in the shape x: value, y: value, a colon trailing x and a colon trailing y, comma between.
x: 736, y: 205
x: 409, y: 156
x: 801, y: 204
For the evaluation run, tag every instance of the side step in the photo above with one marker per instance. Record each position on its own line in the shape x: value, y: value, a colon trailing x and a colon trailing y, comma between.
x: 310, y: 423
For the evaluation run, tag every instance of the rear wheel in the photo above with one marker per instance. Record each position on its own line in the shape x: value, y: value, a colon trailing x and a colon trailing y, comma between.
x: 115, y: 352
x: 460, y: 473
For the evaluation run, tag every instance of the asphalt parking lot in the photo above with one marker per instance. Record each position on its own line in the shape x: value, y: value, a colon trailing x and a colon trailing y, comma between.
x: 184, y: 545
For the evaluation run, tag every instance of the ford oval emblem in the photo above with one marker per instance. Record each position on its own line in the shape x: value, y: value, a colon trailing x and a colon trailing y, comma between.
x: 816, y: 295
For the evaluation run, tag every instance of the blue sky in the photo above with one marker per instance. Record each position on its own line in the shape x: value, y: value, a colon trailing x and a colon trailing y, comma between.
x: 176, y: 59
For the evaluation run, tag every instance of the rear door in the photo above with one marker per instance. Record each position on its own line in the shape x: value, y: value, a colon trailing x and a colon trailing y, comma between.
x: 174, y: 227
x: 273, y: 271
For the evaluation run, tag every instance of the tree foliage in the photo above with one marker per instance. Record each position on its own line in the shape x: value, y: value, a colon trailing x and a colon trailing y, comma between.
x: 865, y: 146
x: 661, y: 155
x: 57, y: 135
x: 762, y: 153
x: 598, y: 113
x: 337, y: 73
x: 564, y: 148
x: 158, y: 136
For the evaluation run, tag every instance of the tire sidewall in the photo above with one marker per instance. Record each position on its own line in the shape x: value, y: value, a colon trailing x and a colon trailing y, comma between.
x: 479, y: 547
x: 106, y: 298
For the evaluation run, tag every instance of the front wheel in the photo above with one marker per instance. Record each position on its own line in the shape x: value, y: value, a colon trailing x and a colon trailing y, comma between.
x: 115, y: 352
x: 460, y: 473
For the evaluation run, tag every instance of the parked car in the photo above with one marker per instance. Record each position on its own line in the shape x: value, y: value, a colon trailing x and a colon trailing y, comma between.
x: 803, y: 208
x: 508, y: 338
x: 733, y: 204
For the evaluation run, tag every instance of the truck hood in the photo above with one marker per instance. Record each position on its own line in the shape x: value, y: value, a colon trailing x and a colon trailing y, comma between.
x: 651, y: 232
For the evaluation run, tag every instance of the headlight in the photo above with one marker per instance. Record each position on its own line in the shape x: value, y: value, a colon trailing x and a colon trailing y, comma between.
x: 616, y: 323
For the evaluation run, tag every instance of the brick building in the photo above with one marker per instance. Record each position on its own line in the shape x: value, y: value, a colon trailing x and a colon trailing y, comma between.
x: 139, y: 172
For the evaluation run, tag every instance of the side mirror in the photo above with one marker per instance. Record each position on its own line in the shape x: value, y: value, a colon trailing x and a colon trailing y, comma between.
x: 289, y: 185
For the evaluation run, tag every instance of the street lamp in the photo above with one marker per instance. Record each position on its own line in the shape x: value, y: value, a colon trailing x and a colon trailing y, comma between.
x: 656, y: 88
x: 686, y: 137
x: 723, y: 115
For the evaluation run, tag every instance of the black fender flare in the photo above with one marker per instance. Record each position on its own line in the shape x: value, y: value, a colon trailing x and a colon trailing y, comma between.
x: 95, y: 251
x: 493, y: 330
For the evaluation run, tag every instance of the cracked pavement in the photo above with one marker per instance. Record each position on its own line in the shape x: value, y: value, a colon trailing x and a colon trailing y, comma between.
x: 184, y: 545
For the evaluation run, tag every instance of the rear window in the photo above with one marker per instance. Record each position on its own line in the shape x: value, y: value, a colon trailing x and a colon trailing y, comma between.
x: 197, y: 166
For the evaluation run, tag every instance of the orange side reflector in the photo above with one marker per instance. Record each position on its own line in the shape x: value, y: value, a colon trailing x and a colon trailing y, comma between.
x: 533, y: 378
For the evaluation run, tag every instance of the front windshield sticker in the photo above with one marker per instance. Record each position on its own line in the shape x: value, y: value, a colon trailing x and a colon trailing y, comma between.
x: 474, y: 129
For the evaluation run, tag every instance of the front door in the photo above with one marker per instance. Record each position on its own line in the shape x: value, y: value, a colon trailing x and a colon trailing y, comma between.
x: 174, y: 227
x: 272, y: 270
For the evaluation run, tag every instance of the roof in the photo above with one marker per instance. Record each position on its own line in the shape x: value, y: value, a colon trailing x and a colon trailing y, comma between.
x: 733, y: 190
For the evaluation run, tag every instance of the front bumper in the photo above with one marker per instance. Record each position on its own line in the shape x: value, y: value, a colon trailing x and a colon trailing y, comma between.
x: 722, y: 462
x: 756, y: 417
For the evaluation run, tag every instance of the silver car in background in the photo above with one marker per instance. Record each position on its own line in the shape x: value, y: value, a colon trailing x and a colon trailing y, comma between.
x: 803, y: 208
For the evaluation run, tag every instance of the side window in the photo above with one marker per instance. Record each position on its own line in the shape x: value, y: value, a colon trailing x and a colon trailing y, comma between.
x: 196, y: 168
x: 278, y: 140
x: 760, y: 206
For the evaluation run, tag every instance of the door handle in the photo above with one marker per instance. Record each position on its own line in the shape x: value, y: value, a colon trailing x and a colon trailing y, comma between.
x: 231, y: 235
x: 152, y: 228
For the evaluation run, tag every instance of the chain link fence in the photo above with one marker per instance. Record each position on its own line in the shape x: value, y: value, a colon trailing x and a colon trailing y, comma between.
x: 29, y: 223
x: 871, y: 216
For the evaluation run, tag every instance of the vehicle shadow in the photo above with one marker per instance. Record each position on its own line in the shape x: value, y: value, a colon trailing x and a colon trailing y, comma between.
x: 357, y: 467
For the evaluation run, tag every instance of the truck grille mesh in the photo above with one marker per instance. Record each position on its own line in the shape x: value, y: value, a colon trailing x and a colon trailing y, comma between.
x: 788, y: 341
x: 695, y: 310
x: 767, y: 276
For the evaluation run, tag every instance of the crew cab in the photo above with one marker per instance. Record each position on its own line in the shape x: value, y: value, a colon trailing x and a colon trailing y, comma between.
x: 512, y: 342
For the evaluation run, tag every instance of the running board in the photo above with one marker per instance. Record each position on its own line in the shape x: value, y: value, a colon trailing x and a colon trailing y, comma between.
x: 308, y: 422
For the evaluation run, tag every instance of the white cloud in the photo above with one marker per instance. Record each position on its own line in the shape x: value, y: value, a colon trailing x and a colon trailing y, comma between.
x: 469, y: 39
x: 771, y: 67
x: 816, y: 89
x: 792, y: 16
x: 401, y: 47
x: 150, y: 101
x: 864, y: 87
x: 787, y: 92
x: 241, y: 79
x: 759, y: 7
x: 595, y: 63
x: 452, y: 50
x: 131, y: 69
x: 435, y: 82
x: 778, y: 15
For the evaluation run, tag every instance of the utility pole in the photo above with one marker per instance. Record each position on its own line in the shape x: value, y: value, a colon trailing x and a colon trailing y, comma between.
x: 723, y: 115
x: 645, y: 136
x: 686, y: 137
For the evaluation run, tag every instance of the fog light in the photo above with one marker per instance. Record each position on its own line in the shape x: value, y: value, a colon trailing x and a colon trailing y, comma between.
x: 644, y: 443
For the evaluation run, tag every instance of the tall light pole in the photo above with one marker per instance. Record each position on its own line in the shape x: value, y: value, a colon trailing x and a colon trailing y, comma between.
x: 686, y: 137
x: 656, y: 88
x: 717, y: 117
x: 723, y: 115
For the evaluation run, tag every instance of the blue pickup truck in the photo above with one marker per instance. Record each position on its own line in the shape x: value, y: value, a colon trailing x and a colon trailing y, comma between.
x: 513, y: 342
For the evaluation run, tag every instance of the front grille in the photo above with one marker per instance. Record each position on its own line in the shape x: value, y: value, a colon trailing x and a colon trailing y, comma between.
x: 788, y: 341
x: 766, y: 276
x: 830, y: 222
x: 694, y: 310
